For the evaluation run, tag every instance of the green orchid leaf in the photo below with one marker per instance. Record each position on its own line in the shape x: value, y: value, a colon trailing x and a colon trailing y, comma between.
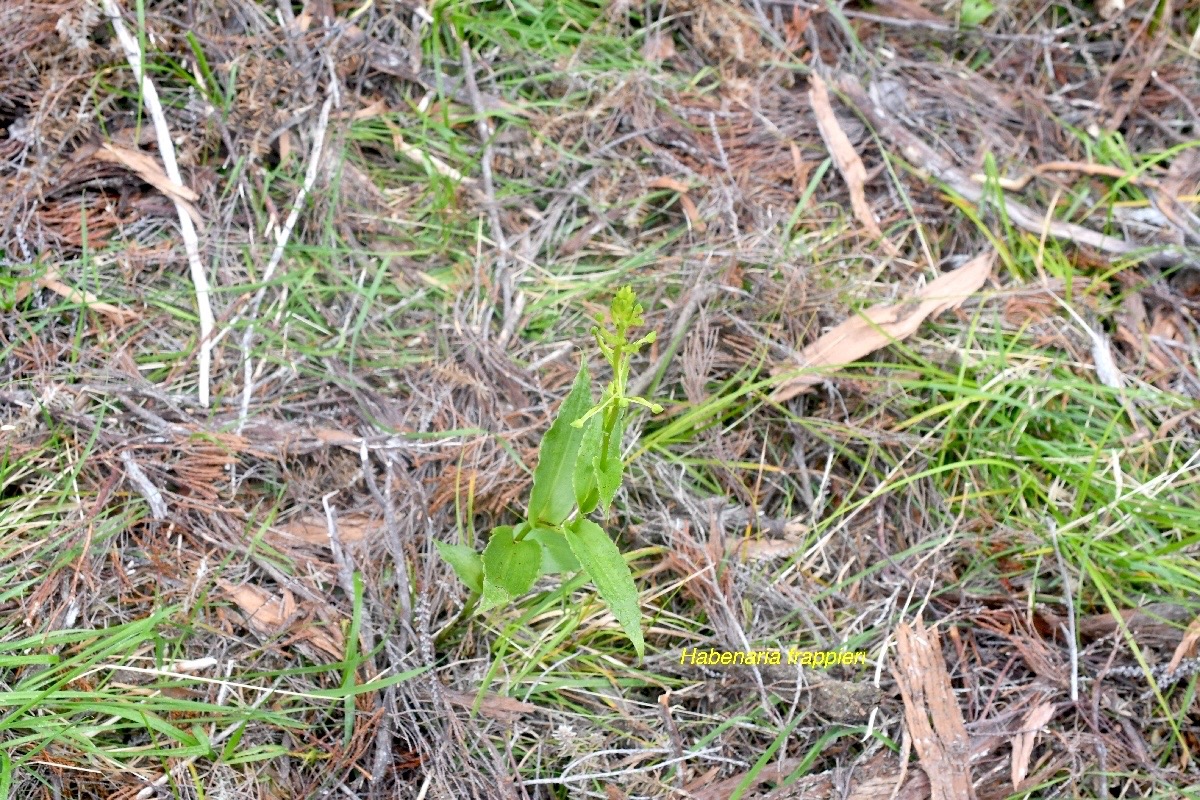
x: 586, y: 493
x: 466, y: 563
x: 589, y: 501
x: 608, y: 466
x: 553, y: 495
x: 493, y: 596
x: 509, y: 567
x: 556, y: 553
x: 607, y: 568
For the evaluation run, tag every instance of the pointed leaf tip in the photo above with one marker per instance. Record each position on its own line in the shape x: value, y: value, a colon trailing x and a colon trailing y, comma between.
x: 607, y: 568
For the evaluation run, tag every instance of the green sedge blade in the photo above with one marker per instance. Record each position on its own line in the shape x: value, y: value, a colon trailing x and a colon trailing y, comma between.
x: 553, y: 495
x: 607, y: 568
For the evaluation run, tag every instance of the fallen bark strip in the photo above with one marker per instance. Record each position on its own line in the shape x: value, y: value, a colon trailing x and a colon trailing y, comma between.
x: 931, y: 713
x: 933, y: 165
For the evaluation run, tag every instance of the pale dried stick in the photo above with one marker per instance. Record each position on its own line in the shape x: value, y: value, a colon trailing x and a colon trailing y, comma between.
x: 1072, y: 644
x: 930, y: 164
x: 166, y: 150
x: 153, y: 497
x: 310, y: 177
x: 485, y: 165
x: 503, y: 274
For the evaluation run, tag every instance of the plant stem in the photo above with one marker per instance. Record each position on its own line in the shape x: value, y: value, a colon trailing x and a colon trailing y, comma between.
x: 467, y: 610
x: 613, y: 412
x: 610, y: 423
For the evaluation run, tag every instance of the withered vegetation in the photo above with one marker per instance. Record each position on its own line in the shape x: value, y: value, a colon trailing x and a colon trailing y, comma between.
x: 1010, y: 492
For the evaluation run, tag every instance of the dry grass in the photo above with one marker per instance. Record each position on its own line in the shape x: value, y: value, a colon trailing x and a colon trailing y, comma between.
x: 401, y: 362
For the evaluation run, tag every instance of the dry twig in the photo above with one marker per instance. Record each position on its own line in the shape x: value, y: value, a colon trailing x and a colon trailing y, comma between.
x: 503, y: 277
x: 932, y: 165
x: 1072, y: 641
x: 310, y: 177
x: 142, y: 483
x: 166, y: 150
x: 52, y: 282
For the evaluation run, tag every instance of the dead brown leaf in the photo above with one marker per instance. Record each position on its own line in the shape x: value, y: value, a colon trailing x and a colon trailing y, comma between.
x: 1022, y: 743
x: 146, y: 168
x: 908, y: 10
x: 270, y: 615
x: 1166, y: 325
x: 496, y: 706
x: 376, y: 109
x: 351, y: 528
x: 846, y: 160
x: 50, y: 281
x: 1187, y: 646
x: 658, y: 47
x: 763, y: 549
x: 265, y: 612
x: 152, y: 173
x: 285, y: 147
x: 334, y: 436
x: 685, y: 200
x: 881, y: 325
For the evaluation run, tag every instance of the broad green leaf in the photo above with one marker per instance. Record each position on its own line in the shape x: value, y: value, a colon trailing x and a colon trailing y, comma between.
x: 607, y: 568
x: 553, y: 495
x: 586, y: 494
x: 467, y: 564
x: 493, y: 595
x: 556, y: 553
x: 608, y: 466
x: 509, y: 567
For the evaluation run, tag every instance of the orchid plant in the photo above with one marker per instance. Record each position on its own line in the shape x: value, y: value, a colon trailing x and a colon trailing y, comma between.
x: 579, y: 470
